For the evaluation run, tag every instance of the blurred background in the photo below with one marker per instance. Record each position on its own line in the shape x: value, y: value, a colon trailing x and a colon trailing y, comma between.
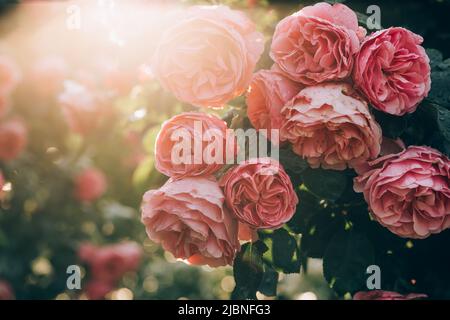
x: 84, y: 109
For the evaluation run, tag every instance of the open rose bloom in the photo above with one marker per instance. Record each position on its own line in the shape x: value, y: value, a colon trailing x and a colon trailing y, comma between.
x: 208, y: 55
x: 386, y: 295
x: 331, y: 126
x: 269, y: 91
x: 193, y: 144
x: 187, y: 217
x: 318, y: 43
x: 408, y: 192
x: 260, y: 194
x: 393, y: 71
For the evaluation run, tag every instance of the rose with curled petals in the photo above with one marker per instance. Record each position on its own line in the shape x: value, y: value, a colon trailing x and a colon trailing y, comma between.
x: 259, y: 193
x: 188, y: 219
x: 392, y: 70
x: 317, y: 44
x: 268, y: 93
x: 207, y: 137
x: 331, y: 127
x: 207, y: 57
x: 408, y: 192
x: 387, y: 295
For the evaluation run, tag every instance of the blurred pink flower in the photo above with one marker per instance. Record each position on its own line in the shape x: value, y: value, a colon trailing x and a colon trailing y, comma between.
x: 408, y: 192
x: 83, y: 110
x: 188, y: 219
x: 206, y: 58
x: 317, y: 44
x: 9, y: 75
x: 386, y: 295
x: 48, y: 75
x: 90, y: 185
x: 392, y: 70
x: 97, y: 290
x: 6, y: 291
x: 109, y: 263
x: 13, y: 139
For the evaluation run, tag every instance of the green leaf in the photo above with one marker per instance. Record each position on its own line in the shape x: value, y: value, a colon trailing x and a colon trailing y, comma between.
x: 248, y: 270
x: 285, y: 253
x: 345, y: 261
x: 327, y: 184
x: 392, y: 126
x: 269, y: 282
x: 307, y: 208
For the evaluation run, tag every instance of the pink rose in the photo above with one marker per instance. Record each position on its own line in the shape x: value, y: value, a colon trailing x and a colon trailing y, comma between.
x: 408, y: 192
x: 109, y: 263
x: 207, y: 57
x: 13, y: 139
x: 83, y: 110
x: 90, y: 185
x: 259, y: 193
x: 317, y: 43
x: 331, y: 126
x: 393, y: 71
x: 204, y: 134
x: 268, y: 93
x: 97, y: 290
x: 6, y: 291
x: 9, y: 75
x: 387, y: 295
x: 188, y: 219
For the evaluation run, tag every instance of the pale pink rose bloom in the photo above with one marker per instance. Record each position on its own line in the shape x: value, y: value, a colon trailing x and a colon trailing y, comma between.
x: 387, y: 295
x: 48, y: 75
x: 207, y: 57
x: 187, y: 217
x: 260, y: 193
x: 268, y: 93
x: 213, y: 135
x: 331, y: 126
x: 13, y: 139
x: 6, y: 291
x: 83, y: 110
x: 408, y: 192
x: 109, y: 263
x: 317, y: 43
x: 10, y: 75
x: 97, y: 290
x: 90, y: 184
x: 393, y: 70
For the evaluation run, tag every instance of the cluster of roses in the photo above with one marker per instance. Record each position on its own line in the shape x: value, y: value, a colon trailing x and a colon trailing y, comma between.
x: 326, y: 72
x: 108, y: 264
x: 195, y: 216
x: 317, y: 93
